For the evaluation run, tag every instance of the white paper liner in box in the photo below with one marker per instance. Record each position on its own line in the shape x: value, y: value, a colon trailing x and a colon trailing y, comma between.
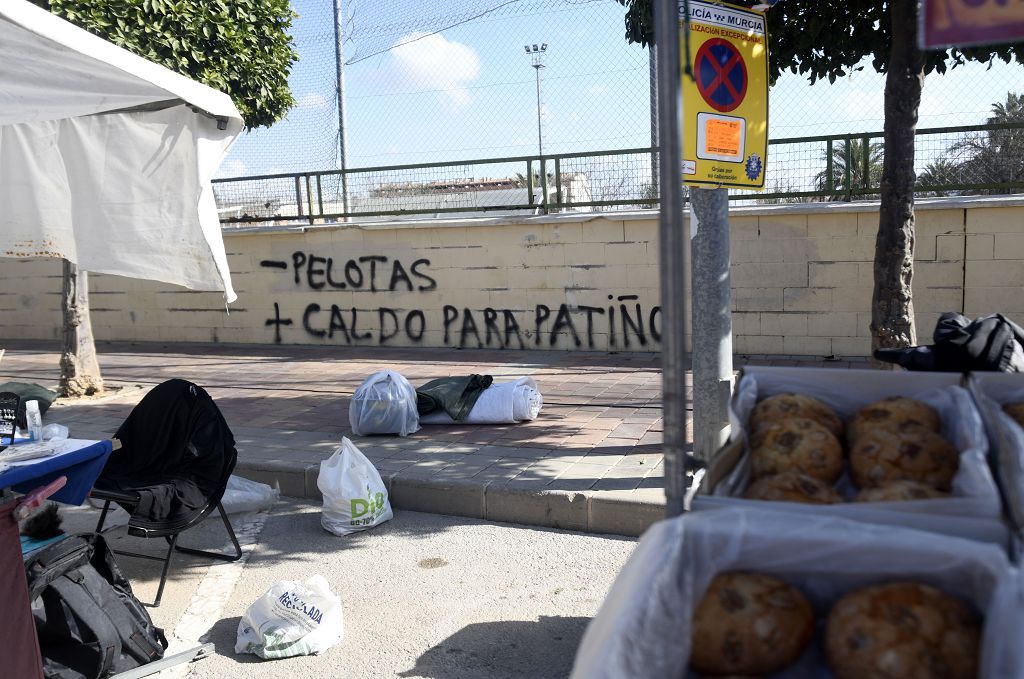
x: 974, y: 490
x: 500, y: 403
x: 992, y: 391
x: 643, y: 627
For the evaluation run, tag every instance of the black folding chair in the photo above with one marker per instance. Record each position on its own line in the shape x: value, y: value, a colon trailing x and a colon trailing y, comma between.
x: 171, y: 471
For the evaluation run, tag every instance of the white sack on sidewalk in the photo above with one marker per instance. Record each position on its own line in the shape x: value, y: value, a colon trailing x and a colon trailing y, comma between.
x: 355, y: 497
x: 245, y: 495
x: 643, y: 628
x: 500, y: 403
x: 385, y: 403
x: 292, y: 618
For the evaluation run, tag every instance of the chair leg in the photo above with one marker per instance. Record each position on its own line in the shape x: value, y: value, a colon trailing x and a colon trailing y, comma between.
x: 217, y: 555
x: 167, y: 566
x: 103, y: 516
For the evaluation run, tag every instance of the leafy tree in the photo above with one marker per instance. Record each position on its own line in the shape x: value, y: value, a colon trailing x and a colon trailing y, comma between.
x: 942, y: 172
x: 828, y: 40
x: 241, y: 47
x: 996, y: 156
x: 858, y: 151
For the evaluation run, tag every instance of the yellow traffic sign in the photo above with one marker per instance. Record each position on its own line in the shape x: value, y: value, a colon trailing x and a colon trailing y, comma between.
x: 725, y: 104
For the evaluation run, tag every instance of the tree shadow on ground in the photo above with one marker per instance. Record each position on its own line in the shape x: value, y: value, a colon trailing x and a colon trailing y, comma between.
x: 517, y: 648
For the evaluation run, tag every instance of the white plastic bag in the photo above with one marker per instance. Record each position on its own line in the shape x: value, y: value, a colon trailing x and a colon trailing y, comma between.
x: 385, y: 403
x: 292, y: 618
x: 355, y: 497
x: 245, y: 495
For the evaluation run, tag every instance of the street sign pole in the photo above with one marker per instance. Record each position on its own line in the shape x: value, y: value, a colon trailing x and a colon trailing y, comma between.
x: 671, y: 246
x: 712, y: 321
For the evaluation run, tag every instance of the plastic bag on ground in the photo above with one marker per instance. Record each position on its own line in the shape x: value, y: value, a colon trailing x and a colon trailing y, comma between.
x: 292, y: 618
x: 355, y: 497
x: 244, y: 495
x: 385, y: 403
x: 500, y: 403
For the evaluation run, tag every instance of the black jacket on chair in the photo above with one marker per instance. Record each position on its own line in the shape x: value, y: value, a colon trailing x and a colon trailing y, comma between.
x: 177, y: 453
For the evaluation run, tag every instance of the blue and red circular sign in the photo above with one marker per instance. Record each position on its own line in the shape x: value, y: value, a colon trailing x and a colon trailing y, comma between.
x: 721, y: 74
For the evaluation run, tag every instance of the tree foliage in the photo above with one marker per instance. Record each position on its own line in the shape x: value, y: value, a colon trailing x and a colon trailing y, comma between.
x: 828, y: 39
x: 240, y: 47
x: 860, y: 155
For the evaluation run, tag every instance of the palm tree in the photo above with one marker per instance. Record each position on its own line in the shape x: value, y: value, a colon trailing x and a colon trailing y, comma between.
x: 940, y: 173
x: 996, y: 156
x: 859, y: 149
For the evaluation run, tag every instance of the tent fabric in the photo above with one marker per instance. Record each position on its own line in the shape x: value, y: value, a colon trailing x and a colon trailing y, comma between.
x: 106, y: 158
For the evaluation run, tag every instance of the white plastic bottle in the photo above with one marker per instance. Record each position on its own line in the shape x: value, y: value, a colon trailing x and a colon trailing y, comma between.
x: 34, y: 420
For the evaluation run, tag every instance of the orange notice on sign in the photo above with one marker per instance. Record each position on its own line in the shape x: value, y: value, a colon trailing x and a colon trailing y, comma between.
x: 956, y: 23
x: 723, y: 137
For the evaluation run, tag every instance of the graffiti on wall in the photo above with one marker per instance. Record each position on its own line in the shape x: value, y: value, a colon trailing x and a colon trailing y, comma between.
x: 623, y: 319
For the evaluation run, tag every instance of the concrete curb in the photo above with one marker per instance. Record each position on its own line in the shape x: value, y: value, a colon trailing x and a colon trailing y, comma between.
x: 613, y: 512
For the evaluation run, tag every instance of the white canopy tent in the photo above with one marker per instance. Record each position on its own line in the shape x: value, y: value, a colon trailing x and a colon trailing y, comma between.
x: 106, y: 158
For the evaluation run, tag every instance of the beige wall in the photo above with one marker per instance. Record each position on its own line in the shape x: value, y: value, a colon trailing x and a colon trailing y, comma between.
x: 801, y: 277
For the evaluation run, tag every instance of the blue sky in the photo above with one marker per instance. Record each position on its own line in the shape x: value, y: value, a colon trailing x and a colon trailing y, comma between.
x: 469, y: 91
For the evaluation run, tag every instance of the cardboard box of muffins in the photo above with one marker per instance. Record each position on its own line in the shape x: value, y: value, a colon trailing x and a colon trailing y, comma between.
x: 897, y: 448
x: 1000, y: 399
x: 742, y: 593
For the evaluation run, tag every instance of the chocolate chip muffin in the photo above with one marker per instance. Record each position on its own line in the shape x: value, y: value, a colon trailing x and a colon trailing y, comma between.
x: 796, y: 444
x: 909, y: 453
x: 784, y: 406
x: 895, y: 411
x: 902, y: 630
x: 750, y: 624
x: 899, y: 491
x: 792, y: 487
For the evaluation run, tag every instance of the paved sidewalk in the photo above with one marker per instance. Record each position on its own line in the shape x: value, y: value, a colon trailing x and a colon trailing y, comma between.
x: 592, y: 461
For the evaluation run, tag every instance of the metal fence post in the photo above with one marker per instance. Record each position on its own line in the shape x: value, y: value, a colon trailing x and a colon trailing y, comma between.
x: 298, y: 195
x: 309, y: 198
x: 830, y: 180
x: 866, y: 178
x: 543, y: 185
x: 848, y: 170
x: 671, y: 248
x: 558, y: 184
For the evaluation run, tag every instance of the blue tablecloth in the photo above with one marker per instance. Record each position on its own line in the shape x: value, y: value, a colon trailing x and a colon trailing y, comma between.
x: 81, y: 465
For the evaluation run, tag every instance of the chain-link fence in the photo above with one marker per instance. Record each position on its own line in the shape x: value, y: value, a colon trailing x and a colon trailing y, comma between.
x: 429, y: 85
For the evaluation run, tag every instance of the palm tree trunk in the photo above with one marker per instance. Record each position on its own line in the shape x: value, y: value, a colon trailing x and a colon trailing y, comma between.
x: 79, y: 369
x: 892, y: 308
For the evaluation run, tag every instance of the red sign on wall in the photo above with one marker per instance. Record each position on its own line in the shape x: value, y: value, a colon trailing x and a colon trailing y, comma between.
x: 959, y: 23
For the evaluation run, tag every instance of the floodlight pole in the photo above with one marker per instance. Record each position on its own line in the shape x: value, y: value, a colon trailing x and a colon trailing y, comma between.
x: 671, y: 247
x: 537, y: 65
x: 339, y: 61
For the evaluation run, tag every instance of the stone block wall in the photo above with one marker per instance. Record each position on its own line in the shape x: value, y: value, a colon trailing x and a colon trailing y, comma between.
x: 801, y: 280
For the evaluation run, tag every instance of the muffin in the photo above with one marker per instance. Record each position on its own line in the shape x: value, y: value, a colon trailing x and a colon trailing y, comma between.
x: 785, y: 406
x: 899, y: 491
x: 796, y: 444
x: 1016, y: 411
x: 894, y: 411
x: 749, y: 624
x: 792, y: 487
x: 902, y: 630
x: 908, y: 453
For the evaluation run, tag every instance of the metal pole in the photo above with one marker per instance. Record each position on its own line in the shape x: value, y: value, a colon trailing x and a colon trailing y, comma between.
x: 671, y: 246
x: 712, y: 322
x: 653, y: 87
x: 339, y: 61
x: 540, y: 138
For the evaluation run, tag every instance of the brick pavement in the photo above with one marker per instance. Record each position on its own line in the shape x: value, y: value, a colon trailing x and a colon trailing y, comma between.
x: 591, y: 461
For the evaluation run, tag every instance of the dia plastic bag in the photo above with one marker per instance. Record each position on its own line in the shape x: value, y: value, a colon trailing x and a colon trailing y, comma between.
x: 245, y: 495
x: 355, y: 497
x: 292, y: 618
x: 385, y: 403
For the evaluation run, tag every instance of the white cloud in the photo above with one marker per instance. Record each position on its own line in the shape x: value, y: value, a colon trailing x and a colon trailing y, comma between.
x: 311, y: 101
x: 433, y: 62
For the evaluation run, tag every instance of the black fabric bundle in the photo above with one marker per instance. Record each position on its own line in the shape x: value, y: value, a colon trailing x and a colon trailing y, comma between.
x: 989, y: 343
x: 454, y: 395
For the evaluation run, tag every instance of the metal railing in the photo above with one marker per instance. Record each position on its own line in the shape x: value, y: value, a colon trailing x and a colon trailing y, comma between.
x: 951, y: 161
